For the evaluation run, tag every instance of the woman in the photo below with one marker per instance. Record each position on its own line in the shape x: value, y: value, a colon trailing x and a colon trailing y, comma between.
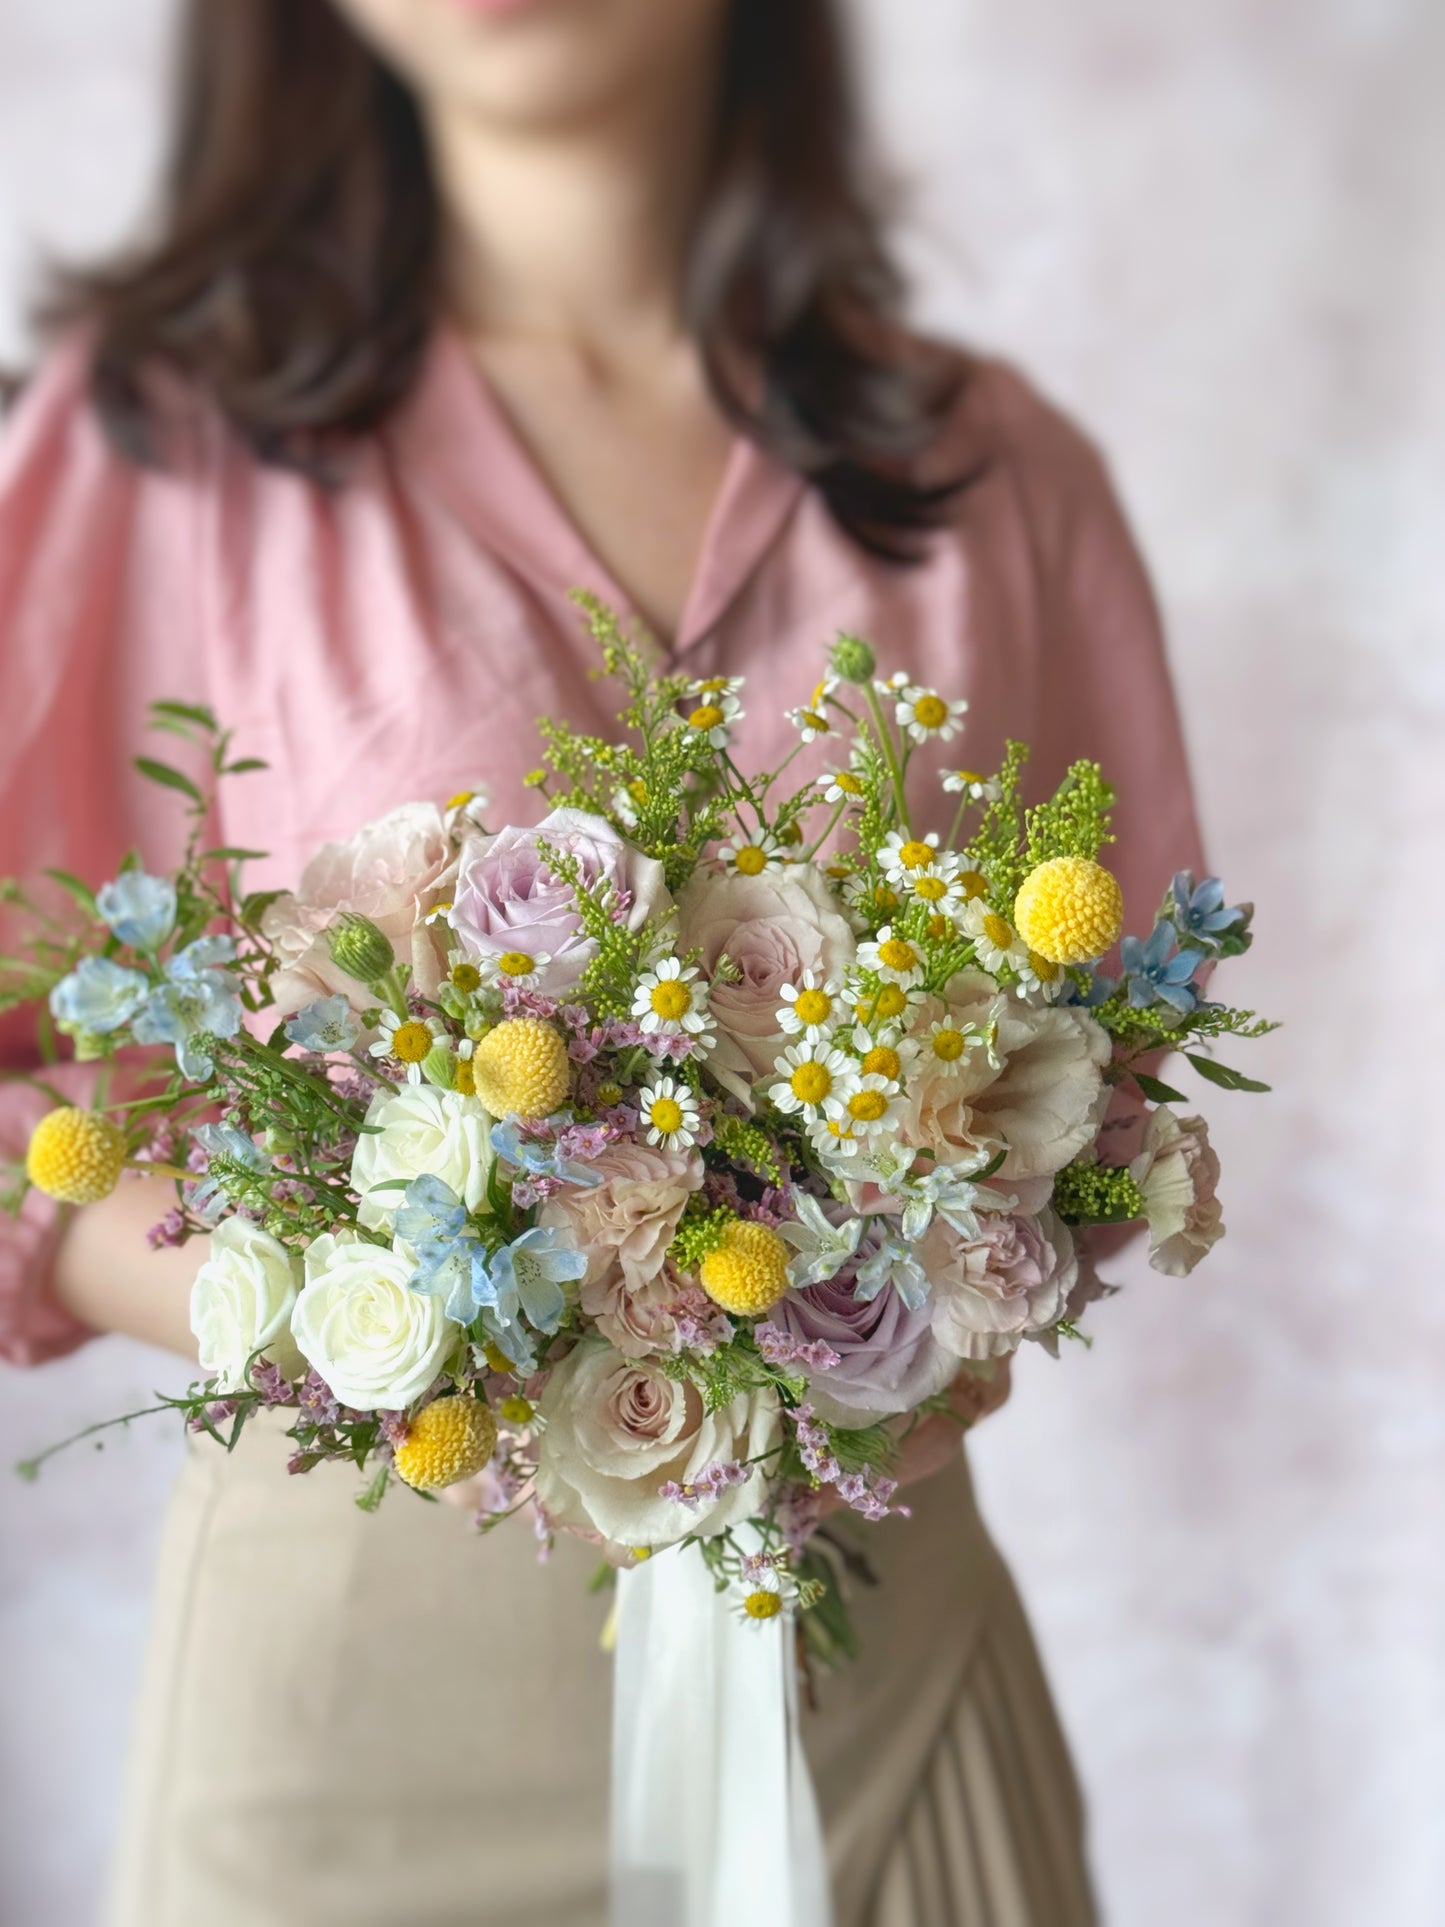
x: 458, y: 305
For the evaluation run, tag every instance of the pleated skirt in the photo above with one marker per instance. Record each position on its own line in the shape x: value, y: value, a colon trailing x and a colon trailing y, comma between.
x: 387, y: 1721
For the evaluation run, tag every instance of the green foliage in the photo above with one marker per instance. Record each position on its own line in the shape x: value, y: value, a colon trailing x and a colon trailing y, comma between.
x: 996, y: 849
x: 740, y: 1141
x: 1087, y: 1193
x: 1073, y: 822
x: 729, y: 1371
x: 700, y: 1232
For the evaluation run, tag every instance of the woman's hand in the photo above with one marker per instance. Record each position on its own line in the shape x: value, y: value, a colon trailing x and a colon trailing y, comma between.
x: 934, y: 1444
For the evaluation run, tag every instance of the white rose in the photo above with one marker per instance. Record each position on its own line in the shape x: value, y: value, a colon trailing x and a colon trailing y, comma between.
x: 619, y: 1428
x: 241, y: 1303
x: 420, y: 1129
x: 376, y: 1342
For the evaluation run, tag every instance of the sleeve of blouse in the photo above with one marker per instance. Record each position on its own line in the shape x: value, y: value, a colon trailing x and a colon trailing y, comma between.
x: 94, y: 575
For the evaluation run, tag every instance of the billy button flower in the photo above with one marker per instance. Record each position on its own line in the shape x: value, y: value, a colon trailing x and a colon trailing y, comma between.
x: 1069, y: 910
x: 750, y: 856
x: 922, y: 714
x: 809, y: 1009
x: 894, y: 958
x: 813, y: 1079
x: 670, y: 1002
x: 522, y: 1066
x: 409, y: 1040
x: 748, y: 1272
x: 448, y: 1441
x: 75, y: 1156
x: 669, y: 1110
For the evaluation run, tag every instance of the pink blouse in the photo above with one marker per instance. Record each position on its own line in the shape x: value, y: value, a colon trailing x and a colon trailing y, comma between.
x: 397, y: 637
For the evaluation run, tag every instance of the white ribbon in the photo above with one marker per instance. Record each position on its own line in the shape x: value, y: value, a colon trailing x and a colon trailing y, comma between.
x: 714, y: 1819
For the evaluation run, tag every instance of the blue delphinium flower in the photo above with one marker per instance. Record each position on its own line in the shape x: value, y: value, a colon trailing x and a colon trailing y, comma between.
x: 892, y: 1263
x: 328, y: 1024
x: 236, y: 1147
x: 1201, y: 913
x: 538, y: 1160
x: 195, y: 1000
x: 140, y: 909
x: 99, y: 995
x: 1157, y: 973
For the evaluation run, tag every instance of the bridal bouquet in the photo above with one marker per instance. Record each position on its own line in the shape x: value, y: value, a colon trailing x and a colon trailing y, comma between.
x: 662, y: 1165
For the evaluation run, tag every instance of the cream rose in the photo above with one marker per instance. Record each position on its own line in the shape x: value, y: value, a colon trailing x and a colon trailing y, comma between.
x: 773, y: 927
x: 1043, y: 1105
x: 620, y: 1428
x: 420, y: 1129
x: 378, y: 1344
x: 393, y: 870
x: 992, y: 1291
x: 1178, y: 1171
x: 241, y: 1303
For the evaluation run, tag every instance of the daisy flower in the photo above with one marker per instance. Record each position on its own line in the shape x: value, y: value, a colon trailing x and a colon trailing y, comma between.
x: 947, y: 1044
x: 715, y: 688
x: 627, y: 799
x: 669, y: 1110
x: 520, y: 969
x: 892, y: 685
x: 922, y: 714
x: 466, y: 809
x: 844, y: 787
x: 901, y: 852
x: 835, y: 1142
x: 815, y: 1079
x: 464, y: 974
x: 670, y: 1001
x: 970, y: 783
x: 440, y: 912
x: 1041, y: 975
x: 889, y: 1003
x: 713, y: 718
x: 408, y: 1039
x: 868, y: 895
x: 895, y: 959
x: 887, y: 1056
x: 809, y: 1009
x: 971, y: 884
x: 996, y: 943
x: 751, y: 855
x: 762, y: 1591
x: 933, y: 884
x: 870, y: 1106
x: 809, y: 723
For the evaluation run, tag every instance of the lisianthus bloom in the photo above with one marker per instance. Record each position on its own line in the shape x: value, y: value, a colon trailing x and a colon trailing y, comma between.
x: 508, y: 899
x: 1177, y: 1170
x: 991, y: 1291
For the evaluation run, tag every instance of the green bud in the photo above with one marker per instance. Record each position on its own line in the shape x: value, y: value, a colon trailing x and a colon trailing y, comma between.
x: 359, y: 948
x: 89, y: 1044
x: 439, y: 1067
x: 853, y: 659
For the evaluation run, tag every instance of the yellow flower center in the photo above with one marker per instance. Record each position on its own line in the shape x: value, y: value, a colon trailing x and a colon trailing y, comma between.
x: 811, y: 1082
x: 521, y: 1066
x: 671, y: 999
x: 931, y: 889
x: 450, y: 1440
x: 466, y: 978
x: 997, y: 931
x: 518, y: 1410
x: 411, y: 1041
x: 496, y: 1357
x: 714, y: 686
x: 885, y: 898
x: 835, y: 1129
x: 867, y: 1106
x: 637, y: 790
x: 913, y: 854
x: 751, y: 860
x: 516, y: 963
x: 762, y: 1604
x: 609, y: 1093
x: 748, y: 1273
x: 968, y: 776
x: 897, y: 955
x: 930, y: 711
x: 890, y: 1002
x: 848, y: 783
x: 706, y: 716
x: 883, y: 1061
x: 949, y: 1045
x: 466, y: 1082
x: 461, y: 799
x: 814, y: 1006
x: 972, y: 885
x: 75, y: 1156
x: 1044, y: 968
x: 813, y: 720
x: 938, y: 927
x: 665, y: 1115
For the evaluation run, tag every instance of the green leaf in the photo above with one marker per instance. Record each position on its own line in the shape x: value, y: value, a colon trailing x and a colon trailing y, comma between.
x: 191, y: 712
x: 73, y: 886
x: 372, y: 1497
x: 169, y: 778
x: 1156, y: 1090
x: 259, y: 901
x: 1223, y: 1076
x: 246, y: 763
x: 232, y: 853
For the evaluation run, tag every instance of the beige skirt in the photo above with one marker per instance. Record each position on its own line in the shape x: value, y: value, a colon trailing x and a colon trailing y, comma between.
x: 386, y: 1721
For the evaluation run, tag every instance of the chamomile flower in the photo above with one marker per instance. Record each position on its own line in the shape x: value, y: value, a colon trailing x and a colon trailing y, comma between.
x: 871, y: 896
x: 948, y: 1043
x: 997, y: 945
x: 835, y: 1142
x: 971, y: 783
x: 1042, y: 977
x: 925, y: 716
x: 762, y: 1591
x: 515, y: 969
x: 440, y: 912
x: 670, y: 1001
x: 871, y: 1105
x: 885, y: 1003
x: 901, y: 853
x: 467, y: 810
x: 669, y: 1110
x: 883, y: 1054
x: 892, y: 685
x: 809, y: 723
x: 809, y: 1009
x: 971, y: 884
x: 464, y: 973
x: 844, y: 787
x: 715, y: 688
x: 627, y: 800
x: 713, y: 718
x: 894, y: 958
x: 933, y: 884
x: 751, y: 855
x: 408, y: 1039
x: 815, y: 1079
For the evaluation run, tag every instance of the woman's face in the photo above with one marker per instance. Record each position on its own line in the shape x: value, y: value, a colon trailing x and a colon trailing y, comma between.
x: 535, y: 64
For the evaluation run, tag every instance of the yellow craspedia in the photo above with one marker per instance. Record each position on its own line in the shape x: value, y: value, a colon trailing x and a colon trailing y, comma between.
x: 75, y: 1156
x: 448, y: 1440
x: 748, y: 1272
x: 521, y: 1066
x: 1069, y: 910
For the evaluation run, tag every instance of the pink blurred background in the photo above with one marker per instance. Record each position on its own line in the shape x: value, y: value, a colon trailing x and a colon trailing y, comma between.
x: 1218, y: 234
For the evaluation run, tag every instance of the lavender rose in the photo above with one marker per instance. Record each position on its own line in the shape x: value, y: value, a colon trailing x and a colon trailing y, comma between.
x: 990, y: 1292
x: 773, y: 927
x: 507, y: 898
x: 888, y: 1358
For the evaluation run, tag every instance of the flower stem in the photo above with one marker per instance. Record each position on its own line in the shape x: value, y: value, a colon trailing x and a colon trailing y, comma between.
x: 885, y: 743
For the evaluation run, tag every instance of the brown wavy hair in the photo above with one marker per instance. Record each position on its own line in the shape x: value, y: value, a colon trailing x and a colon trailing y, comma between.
x: 296, y: 274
